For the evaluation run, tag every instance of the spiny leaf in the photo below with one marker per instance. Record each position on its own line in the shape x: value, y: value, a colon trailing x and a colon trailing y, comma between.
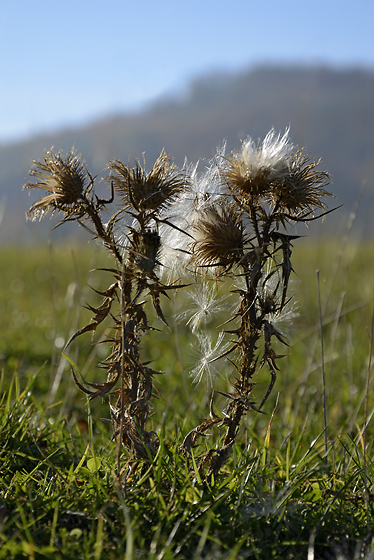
x: 102, y: 388
x: 101, y: 313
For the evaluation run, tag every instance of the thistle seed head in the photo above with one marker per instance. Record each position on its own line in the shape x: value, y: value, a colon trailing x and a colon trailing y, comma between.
x: 65, y: 179
x: 250, y: 171
x: 276, y: 172
x: 202, y: 190
x: 147, y: 192
x: 219, y: 236
x: 302, y: 188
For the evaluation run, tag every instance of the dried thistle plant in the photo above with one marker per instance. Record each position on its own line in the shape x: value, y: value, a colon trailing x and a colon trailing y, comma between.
x: 231, y: 222
x: 143, y: 198
x: 267, y: 187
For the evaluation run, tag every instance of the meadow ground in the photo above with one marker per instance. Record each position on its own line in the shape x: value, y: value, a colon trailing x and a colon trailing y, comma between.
x: 291, y: 489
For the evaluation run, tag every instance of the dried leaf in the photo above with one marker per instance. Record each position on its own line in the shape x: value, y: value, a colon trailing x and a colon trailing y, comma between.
x: 102, y: 389
x: 101, y: 313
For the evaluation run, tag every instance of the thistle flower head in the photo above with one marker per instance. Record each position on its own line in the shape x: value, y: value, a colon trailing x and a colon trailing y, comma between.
x: 301, y: 190
x: 203, y: 189
x: 251, y: 170
x: 147, y: 192
x: 66, y: 181
x: 276, y: 172
x: 219, y: 236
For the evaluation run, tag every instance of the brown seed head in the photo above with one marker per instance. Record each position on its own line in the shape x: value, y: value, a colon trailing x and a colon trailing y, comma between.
x: 64, y: 179
x: 302, y: 188
x: 275, y: 172
x: 250, y: 171
x: 219, y: 236
x: 240, y: 178
x: 148, y: 192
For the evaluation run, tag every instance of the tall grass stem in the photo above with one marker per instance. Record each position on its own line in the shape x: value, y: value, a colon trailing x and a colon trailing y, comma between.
x: 367, y: 496
x: 324, y: 397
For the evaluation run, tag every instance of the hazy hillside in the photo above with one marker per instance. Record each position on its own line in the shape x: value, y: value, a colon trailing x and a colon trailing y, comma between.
x: 331, y: 113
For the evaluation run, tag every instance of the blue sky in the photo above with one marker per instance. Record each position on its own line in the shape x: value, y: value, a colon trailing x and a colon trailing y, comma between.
x: 65, y: 63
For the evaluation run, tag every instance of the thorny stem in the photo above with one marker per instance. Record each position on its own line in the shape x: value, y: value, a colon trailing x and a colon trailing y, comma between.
x: 249, y: 333
x: 119, y: 438
x: 101, y: 232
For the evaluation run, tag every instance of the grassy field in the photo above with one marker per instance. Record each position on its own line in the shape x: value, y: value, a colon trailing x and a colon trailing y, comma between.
x: 291, y: 488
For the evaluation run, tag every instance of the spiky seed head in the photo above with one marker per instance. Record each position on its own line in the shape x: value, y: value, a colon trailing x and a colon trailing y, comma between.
x: 219, y: 236
x: 250, y: 171
x: 65, y: 179
x: 277, y: 173
x: 302, y: 188
x: 147, y: 192
x: 240, y: 178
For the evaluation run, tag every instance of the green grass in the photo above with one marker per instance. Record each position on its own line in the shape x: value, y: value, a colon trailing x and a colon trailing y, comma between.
x: 279, y: 496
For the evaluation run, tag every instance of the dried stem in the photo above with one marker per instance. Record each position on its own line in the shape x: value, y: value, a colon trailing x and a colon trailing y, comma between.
x: 324, y: 397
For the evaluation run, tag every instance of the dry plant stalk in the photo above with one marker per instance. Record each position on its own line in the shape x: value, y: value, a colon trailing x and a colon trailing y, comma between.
x: 144, y: 198
x: 263, y: 189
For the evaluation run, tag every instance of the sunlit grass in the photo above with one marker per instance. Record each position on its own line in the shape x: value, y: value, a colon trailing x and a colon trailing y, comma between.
x: 280, y: 494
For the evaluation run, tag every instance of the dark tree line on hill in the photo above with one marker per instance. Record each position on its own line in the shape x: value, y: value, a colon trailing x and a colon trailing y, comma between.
x: 329, y: 111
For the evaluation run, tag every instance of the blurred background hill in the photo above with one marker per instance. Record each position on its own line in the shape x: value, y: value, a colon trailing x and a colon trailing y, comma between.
x: 330, y: 112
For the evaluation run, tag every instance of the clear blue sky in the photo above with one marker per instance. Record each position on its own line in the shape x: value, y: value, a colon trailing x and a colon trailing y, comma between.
x: 67, y: 62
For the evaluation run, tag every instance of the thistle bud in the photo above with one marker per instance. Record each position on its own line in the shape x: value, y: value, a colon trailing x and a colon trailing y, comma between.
x: 144, y: 251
